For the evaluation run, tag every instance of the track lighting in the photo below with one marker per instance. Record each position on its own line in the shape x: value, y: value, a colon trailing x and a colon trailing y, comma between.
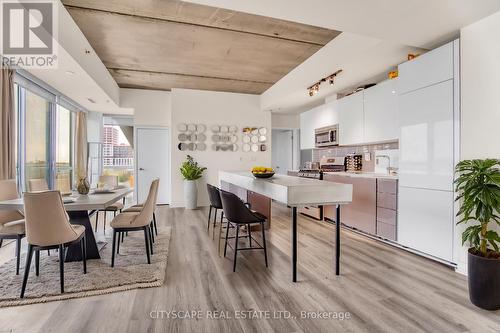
x: 315, y: 87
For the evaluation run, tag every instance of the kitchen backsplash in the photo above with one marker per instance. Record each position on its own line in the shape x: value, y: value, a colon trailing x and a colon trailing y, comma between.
x: 368, y: 166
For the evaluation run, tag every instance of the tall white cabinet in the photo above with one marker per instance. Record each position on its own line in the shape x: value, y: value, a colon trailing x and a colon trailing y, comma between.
x: 428, y: 114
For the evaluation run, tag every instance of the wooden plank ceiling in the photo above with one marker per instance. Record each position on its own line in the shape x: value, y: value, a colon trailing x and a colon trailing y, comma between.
x: 165, y: 44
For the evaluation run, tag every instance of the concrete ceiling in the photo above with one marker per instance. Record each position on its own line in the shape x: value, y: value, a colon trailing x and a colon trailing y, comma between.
x: 161, y: 45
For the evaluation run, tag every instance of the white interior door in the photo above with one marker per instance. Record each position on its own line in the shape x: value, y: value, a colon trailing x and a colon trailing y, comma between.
x: 282, y: 151
x: 153, y: 161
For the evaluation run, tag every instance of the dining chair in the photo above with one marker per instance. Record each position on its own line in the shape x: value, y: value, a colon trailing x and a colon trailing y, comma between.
x: 137, y: 208
x: 239, y: 214
x: 11, y: 221
x: 216, y: 204
x: 49, y: 229
x: 37, y: 185
x: 111, y: 182
x: 136, y: 221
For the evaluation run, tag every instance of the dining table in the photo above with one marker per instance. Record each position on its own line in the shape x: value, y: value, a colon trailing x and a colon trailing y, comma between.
x: 80, y: 208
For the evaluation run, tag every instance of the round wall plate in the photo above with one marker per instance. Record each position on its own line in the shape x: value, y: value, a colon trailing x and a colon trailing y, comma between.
x: 201, y: 146
x: 246, y: 139
x: 182, y: 146
x: 182, y: 137
x: 193, y: 138
x: 234, y: 139
x: 201, y: 137
x: 215, y: 147
x: 215, y: 138
x: 262, y: 131
x: 254, y: 139
x: 246, y: 147
x: 224, y: 129
x: 191, y: 127
x: 182, y: 127
x: 233, y: 129
x: 255, y: 131
x: 191, y: 146
x: 234, y: 147
x: 215, y: 128
x: 255, y: 148
x: 201, y: 128
x: 262, y: 138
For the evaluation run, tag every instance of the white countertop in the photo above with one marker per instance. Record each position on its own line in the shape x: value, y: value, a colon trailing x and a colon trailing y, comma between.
x: 290, y: 190
x: 363, y: 175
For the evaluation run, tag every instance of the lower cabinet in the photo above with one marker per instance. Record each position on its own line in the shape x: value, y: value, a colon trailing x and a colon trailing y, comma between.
x: 387, y: 200
x: 361, y: 213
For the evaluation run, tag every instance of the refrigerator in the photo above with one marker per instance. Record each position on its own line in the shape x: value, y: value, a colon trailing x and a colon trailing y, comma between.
x: 428, y: 118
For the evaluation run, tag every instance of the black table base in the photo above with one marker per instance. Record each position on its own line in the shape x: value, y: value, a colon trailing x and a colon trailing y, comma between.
x: 294, y: 243
x: 74, y: 252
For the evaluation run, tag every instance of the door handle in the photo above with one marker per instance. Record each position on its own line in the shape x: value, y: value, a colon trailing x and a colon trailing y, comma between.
x: 141, y: 169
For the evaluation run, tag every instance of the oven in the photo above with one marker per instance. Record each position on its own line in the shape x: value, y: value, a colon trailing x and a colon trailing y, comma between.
x: 314, y: 211
x: 326, y: 136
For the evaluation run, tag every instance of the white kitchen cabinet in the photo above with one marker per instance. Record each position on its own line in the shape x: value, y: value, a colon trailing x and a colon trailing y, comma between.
x: 426, y: 141
x: 425, y: 221
x: 351, y: 119
x: 430, y: 68
x: 381, y: 116
x: 321, y: 116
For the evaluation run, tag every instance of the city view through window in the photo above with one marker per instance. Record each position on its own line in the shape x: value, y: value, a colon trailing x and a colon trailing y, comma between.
x: 118, y: 155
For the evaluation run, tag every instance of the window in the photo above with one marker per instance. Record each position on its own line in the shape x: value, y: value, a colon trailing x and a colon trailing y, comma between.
x: 118, y: 153
x: 44, y: 148
x: 37, y: 137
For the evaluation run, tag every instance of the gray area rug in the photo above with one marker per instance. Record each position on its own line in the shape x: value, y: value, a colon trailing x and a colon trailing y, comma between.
x: 131, y: 271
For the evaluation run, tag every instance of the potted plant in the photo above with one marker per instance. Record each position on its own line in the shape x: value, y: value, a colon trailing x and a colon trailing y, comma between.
x: 191, y: 172
x: 478, y: 188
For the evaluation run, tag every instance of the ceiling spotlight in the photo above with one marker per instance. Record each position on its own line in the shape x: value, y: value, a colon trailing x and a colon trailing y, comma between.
x: 315, y: 87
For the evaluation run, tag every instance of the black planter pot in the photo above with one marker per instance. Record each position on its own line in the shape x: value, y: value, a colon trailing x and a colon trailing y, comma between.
x: 484, y: 281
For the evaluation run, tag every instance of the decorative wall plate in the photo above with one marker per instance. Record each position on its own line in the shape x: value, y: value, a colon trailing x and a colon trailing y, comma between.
x: 191, y: 127
x: 246, y: 139
x: 234, y: 147
x: 262, y: 131
x: 215, y: 128
x: 234, y: 139
x: 182, y: 146
x: 254, y: 139
x: 216, y: 138
x: 255, y: 131
x: 201, y: 146
x: 224, y: 129
x: 191, y: 146
x: 262, y: 138
x: 246, y: 147
x: 193, y: 138
x: 201, y: 137
x: 201, y: 128
x: 255, y: 148
x: 182, y: 137
x: 233, y: 129
x: 182, y: 127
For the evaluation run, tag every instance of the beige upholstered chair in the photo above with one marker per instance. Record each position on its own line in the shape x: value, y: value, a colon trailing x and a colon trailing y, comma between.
x: 111, y: 182
x: 49, y: 229
x: 137, y: 208
x: 37, y: 185
x: 11, y: 221
x: 136, y: 221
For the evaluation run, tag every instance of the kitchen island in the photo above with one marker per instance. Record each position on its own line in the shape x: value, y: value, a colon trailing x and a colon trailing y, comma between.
x: 295, y: 192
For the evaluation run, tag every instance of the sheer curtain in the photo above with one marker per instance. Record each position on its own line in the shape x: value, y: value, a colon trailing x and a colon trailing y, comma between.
x: 81, y: 145
x: 7, y: 124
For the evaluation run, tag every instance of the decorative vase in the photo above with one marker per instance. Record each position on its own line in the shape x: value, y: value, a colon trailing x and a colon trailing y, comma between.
x: 83, y: 186
x: 484, y: 281
x: 190, y: 194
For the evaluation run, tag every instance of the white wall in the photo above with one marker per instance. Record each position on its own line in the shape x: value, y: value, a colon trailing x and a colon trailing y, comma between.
x: 215, y: 108
x: 285, y: 121
x: 480, y: 100
x: 151, y: 107
x: 323, y: 115
x: 94, y: 126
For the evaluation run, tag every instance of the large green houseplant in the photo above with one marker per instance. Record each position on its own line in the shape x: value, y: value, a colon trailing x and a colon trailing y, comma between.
x: 191, y: 171
x: 478, y: 189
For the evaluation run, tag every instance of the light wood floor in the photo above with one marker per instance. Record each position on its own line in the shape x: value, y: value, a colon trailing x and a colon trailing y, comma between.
x: 382, y: 288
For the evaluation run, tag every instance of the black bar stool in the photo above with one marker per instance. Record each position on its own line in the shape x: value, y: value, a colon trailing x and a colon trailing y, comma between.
x: 216, y: 203
x: 239, y: 214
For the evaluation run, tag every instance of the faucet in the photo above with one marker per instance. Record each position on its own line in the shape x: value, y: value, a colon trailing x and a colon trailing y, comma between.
x: 389, y: 169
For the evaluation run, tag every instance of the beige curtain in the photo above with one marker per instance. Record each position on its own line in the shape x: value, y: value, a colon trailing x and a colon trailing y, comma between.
x: 7, y: 124
x: 81, y: 145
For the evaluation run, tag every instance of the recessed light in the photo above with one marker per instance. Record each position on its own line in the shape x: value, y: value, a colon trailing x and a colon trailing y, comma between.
x: 70, y: 72
x: 394, y: 91
x: 91, y: 100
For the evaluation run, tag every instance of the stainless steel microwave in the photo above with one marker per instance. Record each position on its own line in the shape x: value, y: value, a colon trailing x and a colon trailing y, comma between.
x: 326, y: 136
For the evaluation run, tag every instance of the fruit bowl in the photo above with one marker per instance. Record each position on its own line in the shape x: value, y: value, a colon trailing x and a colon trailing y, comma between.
x: 263, y: 174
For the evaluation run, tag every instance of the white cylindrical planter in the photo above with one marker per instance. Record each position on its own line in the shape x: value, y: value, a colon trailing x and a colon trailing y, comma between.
x: 190, y: 194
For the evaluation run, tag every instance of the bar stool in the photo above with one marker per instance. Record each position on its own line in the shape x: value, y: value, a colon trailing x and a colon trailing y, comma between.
x: 239, y: 214
x: 215, y: 203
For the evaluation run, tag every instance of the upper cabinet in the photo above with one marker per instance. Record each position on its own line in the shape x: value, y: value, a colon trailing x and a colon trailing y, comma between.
x: 321, y: 116
x: 381, y: 112
x: 433, y: 67
x: 351, y: 119
x: 370, y: 115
